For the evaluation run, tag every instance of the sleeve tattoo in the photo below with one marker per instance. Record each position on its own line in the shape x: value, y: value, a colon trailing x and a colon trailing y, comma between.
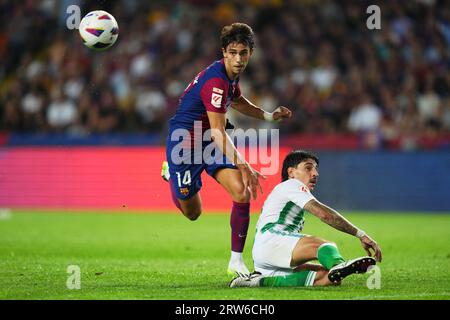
x: 330, y: 217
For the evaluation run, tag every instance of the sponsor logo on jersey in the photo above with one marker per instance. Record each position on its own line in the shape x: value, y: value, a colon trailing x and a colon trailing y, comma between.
x: 217, y: 90
x: 304, y: 189
x: 216, y: 100
x: 184, y: 191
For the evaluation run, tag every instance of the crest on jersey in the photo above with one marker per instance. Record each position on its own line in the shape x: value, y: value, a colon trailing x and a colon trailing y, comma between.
x: 184, y: 191
x: 216, y: 100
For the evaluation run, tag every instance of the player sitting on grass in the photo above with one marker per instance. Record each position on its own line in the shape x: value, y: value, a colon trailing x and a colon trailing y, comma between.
x: 281, y: 253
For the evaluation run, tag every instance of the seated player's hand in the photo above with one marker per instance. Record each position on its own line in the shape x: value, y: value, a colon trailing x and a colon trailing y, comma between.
x: 369, y: 244
x: 281, y: 113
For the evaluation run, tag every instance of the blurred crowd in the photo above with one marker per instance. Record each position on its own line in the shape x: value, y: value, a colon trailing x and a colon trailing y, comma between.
x: 315, y: 56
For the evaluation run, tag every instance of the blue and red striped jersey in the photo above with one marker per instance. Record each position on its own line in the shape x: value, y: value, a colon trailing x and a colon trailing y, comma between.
x: 211, y: 90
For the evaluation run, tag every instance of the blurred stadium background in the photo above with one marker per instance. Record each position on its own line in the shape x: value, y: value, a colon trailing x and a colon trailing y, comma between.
x: 86, y: 129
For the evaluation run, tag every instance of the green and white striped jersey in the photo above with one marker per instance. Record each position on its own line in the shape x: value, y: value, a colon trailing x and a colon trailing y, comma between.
x: 282, y: 211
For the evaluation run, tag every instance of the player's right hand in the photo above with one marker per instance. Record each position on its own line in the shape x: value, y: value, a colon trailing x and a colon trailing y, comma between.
x: 250, y: 178
x: 369, y: 244
x: 281, y: 113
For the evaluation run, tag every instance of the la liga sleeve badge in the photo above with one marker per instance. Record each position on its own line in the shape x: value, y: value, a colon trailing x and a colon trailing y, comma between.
x: 216, y: 100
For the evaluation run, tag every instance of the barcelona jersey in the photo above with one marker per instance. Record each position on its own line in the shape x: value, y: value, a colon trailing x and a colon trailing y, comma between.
x: 210, y: 91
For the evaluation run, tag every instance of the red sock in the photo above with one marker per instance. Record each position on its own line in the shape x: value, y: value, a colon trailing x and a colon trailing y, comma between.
x: 239, y: 221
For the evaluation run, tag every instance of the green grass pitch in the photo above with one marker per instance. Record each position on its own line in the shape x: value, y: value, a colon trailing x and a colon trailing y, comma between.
x: 164, y: 256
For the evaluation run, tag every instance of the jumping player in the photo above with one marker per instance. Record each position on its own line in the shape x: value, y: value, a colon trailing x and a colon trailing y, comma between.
x: 281, y: 253
x: 201, y: 107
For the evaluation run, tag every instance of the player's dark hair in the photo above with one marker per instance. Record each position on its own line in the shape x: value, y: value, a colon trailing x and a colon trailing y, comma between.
x: 293, y: 159
x: 237, y: 32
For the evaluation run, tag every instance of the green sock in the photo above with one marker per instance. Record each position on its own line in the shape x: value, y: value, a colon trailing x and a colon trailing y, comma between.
x: 329, y: 256
x: 297, y: 279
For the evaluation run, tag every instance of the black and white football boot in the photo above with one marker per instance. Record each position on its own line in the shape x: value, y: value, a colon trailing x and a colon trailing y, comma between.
x: 344, y: 269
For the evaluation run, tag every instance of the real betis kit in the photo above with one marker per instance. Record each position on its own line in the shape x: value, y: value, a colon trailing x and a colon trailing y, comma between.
x: 279, y: 227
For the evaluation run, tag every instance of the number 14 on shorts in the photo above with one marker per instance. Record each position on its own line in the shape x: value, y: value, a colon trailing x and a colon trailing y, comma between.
x: 186, y: 180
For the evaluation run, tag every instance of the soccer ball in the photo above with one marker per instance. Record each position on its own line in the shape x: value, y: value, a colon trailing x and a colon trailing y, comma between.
x: 99, y: 30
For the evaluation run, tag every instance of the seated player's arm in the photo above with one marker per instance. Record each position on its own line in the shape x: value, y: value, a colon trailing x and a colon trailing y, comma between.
x: 330, y: 217
x: 337, y: 221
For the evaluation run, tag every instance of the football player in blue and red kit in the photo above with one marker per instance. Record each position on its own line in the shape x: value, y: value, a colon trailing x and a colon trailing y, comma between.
x: 202, y: 107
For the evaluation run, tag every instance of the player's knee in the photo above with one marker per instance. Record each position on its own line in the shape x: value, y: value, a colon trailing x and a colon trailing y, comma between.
x: 241, y: 198
x: 239, y: 194
x: 331, y: 243
x: 192, y: 214
x: 318, y: 242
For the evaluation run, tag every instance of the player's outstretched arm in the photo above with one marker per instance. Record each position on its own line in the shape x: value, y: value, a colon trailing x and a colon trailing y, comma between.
x: 250, y: 177
x: 337, y: 221
x: 244, y: 106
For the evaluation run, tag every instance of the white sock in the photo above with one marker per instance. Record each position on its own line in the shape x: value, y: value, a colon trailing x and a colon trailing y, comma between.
x: 236, y: 257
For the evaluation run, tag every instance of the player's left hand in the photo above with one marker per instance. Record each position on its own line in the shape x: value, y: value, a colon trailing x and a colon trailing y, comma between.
x: 281, y: 113
x: 250, y: 179
x: 369, y: 244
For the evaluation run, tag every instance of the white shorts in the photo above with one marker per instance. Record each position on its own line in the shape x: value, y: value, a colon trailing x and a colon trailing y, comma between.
x: 272, y: 252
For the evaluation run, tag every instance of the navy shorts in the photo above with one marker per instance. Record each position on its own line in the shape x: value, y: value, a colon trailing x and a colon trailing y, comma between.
x: 187, y: 165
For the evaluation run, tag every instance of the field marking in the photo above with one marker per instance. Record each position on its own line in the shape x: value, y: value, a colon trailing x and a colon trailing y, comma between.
x: 403, y: 295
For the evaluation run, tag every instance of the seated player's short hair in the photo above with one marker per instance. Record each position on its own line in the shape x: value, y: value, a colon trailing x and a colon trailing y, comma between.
x: 293, y: 159
x: 237, y: 32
